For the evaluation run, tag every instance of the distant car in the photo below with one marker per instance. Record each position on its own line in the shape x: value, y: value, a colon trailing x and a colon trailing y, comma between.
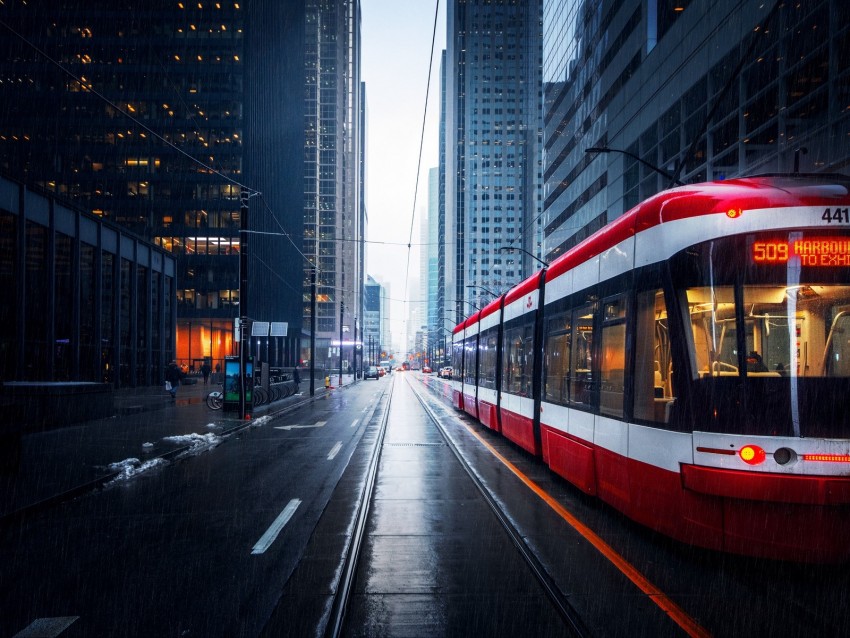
x: 371, y: 373
x: 381, y: 371
x: 426, y: 370
x: 446, y: 372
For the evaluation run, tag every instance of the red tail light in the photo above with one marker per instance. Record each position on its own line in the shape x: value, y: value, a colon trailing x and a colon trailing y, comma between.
x: 827, y: 458
x: 752, y: 454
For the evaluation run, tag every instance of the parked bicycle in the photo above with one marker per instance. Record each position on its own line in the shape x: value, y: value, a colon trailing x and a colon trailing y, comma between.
x: 215, y: 399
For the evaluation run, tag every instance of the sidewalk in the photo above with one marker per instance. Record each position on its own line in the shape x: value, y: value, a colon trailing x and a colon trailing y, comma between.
x: 61, y: 462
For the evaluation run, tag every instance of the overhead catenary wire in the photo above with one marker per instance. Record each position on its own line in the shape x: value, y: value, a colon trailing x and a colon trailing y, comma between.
x: 421, y: 145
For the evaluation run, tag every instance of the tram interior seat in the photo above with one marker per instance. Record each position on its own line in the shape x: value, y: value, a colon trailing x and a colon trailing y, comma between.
x: 659, y: 383
x: 664, y: 398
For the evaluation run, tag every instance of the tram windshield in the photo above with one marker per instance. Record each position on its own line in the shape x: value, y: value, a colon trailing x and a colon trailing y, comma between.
x: 798, y: 330
x: 768, y: 339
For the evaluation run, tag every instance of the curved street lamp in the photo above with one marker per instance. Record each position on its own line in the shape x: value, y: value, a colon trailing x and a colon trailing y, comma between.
x: 661, y: 171
x: 502, y: 249
x: 487, y: 290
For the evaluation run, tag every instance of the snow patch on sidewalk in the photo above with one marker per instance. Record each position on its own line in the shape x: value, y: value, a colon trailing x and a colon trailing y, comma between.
x: 261, y: 421
x: 128, y: 468
x: 197, y: 443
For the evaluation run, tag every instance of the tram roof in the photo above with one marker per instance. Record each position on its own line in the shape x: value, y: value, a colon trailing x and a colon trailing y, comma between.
x: 491, y: 307
x: 697, y: 200
x: 684, y: 202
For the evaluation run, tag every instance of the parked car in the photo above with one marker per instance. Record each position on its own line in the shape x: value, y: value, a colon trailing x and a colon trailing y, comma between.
x: 446, y: 372
x: 426, y: 370
x: 381, y: 371
x: 371, y: 373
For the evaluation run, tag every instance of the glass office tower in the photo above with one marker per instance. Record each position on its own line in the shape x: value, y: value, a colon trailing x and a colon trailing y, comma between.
x: 700, y: 90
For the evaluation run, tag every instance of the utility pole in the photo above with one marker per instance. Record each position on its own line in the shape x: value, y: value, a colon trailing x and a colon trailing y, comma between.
x: 313, y: 332
x: 341, y: 310
x: 243, y: 301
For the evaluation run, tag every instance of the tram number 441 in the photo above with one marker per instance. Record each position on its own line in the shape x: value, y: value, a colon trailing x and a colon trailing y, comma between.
x: 837, y: 215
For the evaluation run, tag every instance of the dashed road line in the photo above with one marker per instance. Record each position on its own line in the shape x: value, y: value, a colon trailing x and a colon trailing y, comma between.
x: 334, y: 450
x: 271, y: 533
x: 356, y: 421
x: 46, y: 627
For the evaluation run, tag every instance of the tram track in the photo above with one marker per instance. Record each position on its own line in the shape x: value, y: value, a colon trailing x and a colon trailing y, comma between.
x: 337, y: 620
x: 568, y: 614
x: 349, y: 571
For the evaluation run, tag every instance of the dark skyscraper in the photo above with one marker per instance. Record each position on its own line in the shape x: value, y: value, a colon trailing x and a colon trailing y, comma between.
x: 170, y: 118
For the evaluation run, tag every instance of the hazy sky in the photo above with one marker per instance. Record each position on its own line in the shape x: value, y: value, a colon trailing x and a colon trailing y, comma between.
x: 396, y: 43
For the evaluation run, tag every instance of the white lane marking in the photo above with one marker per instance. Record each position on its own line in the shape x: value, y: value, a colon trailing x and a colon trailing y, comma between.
x: 366, y: 409
x: 356, y: 421
x: 46, y: 627
x: 274, y: 529
x: 335, y: 450
x: 317, y: 424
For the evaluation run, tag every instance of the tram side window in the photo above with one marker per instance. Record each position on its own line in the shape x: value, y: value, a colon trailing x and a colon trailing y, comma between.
x: 612, y: 364
x: 470, y: 359
x: 556, y: 384
x: 653, y: 377
x: 517, y: 358
x: 487, y: 358
x: 581, y: 380
x: 457, y: 359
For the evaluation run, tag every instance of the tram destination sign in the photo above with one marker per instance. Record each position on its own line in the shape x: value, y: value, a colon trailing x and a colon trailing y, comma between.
x: 810, y: 251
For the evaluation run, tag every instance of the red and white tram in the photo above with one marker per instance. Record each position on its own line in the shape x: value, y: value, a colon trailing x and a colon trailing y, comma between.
x: 689, y: 364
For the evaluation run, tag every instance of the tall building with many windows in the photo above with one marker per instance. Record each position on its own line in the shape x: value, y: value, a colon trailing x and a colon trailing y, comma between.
x: 431, y: 253
x: 701, y: 89
x: 493, y: 121
x: 180, y: 122
x: 333, y: 205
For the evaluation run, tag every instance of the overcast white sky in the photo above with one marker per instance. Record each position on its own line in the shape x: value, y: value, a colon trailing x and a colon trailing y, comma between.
x: 396, y: 43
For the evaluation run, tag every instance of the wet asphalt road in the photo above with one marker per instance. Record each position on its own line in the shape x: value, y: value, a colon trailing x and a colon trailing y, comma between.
x: 174, y: 551
x: 247, y: 538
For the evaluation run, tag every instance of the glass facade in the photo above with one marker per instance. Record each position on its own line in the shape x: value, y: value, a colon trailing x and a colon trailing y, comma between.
x: 493, y: 55
x: 75, y: 281
x: 332, y: 199
x: 143, y: 115
x: 145, y: 129
x: 701, y: 92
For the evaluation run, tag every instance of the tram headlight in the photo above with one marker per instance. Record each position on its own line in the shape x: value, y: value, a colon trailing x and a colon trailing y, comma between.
x: 752, y: 454
x: 784, y: 456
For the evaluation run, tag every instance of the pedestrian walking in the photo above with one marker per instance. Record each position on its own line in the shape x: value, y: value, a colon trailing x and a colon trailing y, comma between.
x: 173, y: 374
x: 205, y: 370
